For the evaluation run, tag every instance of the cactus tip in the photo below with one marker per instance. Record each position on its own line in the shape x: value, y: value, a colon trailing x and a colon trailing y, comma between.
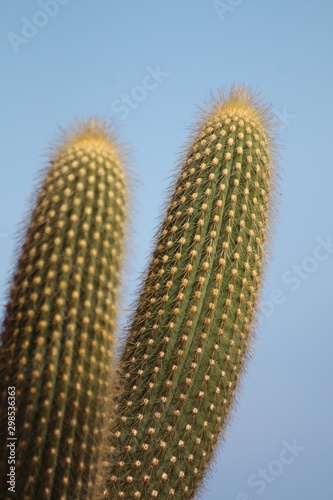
x: 91, y: 133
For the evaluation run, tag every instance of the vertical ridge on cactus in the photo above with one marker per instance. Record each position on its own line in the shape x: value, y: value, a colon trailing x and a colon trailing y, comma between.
x: 190, y: 335
x: 57, y: 337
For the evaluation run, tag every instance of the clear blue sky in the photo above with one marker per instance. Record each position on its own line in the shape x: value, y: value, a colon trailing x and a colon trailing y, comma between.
x: 144, y: 66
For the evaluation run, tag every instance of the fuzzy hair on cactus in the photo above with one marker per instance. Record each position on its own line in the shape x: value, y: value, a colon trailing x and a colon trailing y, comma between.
x: 191, y: 332
x: 57, y: 337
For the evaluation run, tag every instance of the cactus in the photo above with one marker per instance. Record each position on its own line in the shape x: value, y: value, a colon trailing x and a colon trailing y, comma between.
x: 190, y: 335
x: 57, y: 337
x: 153, y: 431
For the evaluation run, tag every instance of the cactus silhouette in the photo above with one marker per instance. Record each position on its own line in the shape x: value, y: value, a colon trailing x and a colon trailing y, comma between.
x: 58, y: 331
x: 152, y: 431
x: 189, y: 337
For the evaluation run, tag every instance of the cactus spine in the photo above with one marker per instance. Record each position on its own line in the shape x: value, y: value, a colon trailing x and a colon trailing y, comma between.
x: 57, y: 337
x: 190, y: 334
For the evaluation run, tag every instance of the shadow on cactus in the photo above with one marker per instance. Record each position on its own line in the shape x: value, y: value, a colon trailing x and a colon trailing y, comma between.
x: 188, y: 339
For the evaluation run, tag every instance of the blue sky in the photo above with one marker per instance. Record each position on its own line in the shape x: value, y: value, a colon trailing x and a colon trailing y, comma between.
x: 144, y: 67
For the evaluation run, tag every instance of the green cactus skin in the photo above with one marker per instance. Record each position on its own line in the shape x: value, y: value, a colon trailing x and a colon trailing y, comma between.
x: 193, y: 324
x: 58, y: 332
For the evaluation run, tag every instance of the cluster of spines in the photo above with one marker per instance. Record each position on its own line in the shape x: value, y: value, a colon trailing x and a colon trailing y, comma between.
x: 190, y: 333
x: 57, y: 337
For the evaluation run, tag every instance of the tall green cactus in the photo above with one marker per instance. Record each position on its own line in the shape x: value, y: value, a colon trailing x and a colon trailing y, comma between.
x: 191, y: 331
x: 57, y: 338
x: 77, y: 436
